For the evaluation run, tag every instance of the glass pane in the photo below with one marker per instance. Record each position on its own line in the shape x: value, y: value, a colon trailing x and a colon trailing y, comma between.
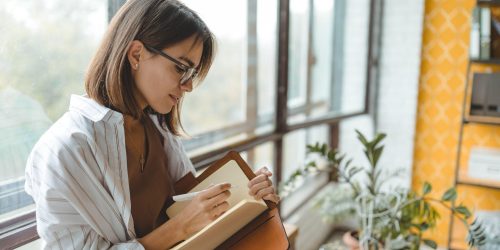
x: 238, y: 98
x: 298, y: 52
x: 267, y: 44
x: 323, y: 25
x: 220, y: 101
x: 338, y: 40
x: 294, y: 156
x: 44, y: 52
x: 351, y: 92
x: 261, y: 156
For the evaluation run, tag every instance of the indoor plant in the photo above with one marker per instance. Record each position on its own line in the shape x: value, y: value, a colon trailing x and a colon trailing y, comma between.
x: 394, y: 219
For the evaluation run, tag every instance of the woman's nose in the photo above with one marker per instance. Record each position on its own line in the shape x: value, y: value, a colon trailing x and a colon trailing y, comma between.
x: 187, y: 86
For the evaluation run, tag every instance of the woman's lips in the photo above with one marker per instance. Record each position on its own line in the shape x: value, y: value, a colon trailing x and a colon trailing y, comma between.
x: 175, y: 100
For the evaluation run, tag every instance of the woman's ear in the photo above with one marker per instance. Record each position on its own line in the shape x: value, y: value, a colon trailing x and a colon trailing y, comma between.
x: 134, y: 54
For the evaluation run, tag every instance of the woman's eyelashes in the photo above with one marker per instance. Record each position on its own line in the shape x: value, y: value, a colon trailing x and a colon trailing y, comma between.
x: 179, y: 69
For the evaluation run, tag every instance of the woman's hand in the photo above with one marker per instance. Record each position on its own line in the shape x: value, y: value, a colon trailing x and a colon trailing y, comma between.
x: 261, y: 187
x: 204, y: 208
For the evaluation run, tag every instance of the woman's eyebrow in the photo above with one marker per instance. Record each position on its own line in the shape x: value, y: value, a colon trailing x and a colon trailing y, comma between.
x: 187, y: 60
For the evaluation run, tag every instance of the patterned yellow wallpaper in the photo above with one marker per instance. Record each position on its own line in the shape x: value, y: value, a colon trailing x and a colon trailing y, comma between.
x: 441, y: 91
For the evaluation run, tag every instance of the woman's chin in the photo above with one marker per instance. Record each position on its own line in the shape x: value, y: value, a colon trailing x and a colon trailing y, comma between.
x: 162, y: 109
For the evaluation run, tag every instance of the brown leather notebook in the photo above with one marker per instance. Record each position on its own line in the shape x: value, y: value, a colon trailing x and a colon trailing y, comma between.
x: 248, y: 224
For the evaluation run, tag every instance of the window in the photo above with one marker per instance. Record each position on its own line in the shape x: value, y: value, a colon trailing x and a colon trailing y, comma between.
x: 44, y: 51
x: 236, y: 99
x: 328, y: 58
x: 37, y: 76
x: 321, y: 62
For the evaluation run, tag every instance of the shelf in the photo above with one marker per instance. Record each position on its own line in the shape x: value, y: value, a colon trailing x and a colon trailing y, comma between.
x: 486, y: 61
x: 480, y: 120
x: 485, y: 3
x: 464, y: 180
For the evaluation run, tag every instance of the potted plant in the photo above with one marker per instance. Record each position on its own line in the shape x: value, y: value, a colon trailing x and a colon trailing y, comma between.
x: 394, y: 219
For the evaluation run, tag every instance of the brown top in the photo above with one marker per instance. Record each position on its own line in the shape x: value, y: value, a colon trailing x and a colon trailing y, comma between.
x: 149, y: 179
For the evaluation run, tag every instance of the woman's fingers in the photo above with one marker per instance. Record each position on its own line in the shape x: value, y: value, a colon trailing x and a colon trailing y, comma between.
x: 272, y: 197
x: 264, y: 171
x: 257, y: 179
x: 219, y: 209
x: 218, y: 199
x: 263, y: 192
x: 214, y: 190
x: 261, y: 185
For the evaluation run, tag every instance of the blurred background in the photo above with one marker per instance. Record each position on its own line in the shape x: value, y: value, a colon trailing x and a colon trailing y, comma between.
x: 288, y: 73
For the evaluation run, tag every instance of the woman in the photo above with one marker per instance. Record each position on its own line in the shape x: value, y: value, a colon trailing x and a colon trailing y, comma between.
x: 102, y: 174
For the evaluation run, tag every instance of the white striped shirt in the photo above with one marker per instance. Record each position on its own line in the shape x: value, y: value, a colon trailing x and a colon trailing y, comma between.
x: 77, y: 176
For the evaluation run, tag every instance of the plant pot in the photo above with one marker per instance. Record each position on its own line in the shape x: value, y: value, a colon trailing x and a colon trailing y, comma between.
x: 351, y: 240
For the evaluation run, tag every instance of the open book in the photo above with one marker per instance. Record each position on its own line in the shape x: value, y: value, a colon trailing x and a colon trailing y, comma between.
x: 243, y: 207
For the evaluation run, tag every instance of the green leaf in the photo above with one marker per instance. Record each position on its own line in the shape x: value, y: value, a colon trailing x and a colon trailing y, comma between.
x: 362, y: 138
x: 463, y: 210
x: 376, y: 155
x: 476, y: 236
x: 427, y: 188
x: 424, y: 226
x: 378, y: 138
x: 450, y: 195
x: 324, y: 148
x: 430, y: 243
x: 353, y: 171
x: 332, y: 155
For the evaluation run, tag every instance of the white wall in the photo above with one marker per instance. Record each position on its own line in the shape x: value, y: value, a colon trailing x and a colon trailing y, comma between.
x: 397, y: 91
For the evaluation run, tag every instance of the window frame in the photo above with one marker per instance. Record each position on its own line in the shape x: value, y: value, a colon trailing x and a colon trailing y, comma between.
x: 22, y: 229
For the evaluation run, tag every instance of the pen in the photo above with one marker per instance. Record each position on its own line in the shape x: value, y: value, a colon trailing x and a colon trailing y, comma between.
x: 190, y: 196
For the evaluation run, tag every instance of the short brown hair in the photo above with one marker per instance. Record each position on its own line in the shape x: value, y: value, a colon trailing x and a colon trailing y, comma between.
x: 157, y: 23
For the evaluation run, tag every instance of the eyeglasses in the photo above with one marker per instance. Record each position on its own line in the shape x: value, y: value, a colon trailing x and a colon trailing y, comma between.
x: 188, y: 72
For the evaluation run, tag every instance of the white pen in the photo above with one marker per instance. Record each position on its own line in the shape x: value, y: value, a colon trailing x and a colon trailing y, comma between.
x: 190, y: 196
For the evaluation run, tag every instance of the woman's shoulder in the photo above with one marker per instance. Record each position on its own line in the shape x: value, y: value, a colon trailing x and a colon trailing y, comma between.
x: 68, y: 132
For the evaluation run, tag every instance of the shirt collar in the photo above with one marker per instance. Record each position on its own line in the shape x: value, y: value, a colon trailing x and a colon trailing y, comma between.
x: 93, y: 110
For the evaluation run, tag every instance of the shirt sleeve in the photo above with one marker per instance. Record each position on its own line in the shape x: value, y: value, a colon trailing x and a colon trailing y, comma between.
x: 69, y: 212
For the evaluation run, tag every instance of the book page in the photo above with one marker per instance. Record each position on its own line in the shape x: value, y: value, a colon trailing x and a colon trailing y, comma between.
x: 230, y: 172
x: 225, y: 226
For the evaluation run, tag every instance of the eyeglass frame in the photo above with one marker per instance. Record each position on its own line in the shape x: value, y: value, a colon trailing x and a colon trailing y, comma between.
x: 187, y: 75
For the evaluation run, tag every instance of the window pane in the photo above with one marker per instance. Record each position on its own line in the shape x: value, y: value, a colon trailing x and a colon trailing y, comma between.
x: 44, y: 52
x: 298, y: 52
x: 267, y: 44
x: 295, y: 157
x: 334, y: 81
x: 323, y: 25
x: 220, y: 100
x: 354, y: 60
x: 237, y: 100
x: 261, y: 156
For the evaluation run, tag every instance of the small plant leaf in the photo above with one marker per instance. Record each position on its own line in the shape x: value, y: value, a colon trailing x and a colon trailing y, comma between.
x: 463, y: 210
x: 450, y: 195
x: 376, y: 155
x: 362, y: 138
x: 427, y: 188
x: 430, y: 243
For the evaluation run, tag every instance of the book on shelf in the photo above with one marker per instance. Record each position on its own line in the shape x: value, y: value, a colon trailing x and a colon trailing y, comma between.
x: 485, y: 33
x: 495, y: 32
x: 485, y: 100
x: 248, y: 223
x: 484, y: 163
x: 475, y: 35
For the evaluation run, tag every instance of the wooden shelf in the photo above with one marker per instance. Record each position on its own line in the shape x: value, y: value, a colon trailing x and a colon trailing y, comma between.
x: 463, y: 179
x: 492, y: 121
x: 486, y: 3
x: 486, y: 61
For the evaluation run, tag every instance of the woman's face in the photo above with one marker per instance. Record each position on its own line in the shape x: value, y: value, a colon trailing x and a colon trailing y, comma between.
x: 157, y: 78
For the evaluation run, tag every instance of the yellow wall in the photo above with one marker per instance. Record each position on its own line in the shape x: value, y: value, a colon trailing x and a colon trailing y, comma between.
x: 441, y: 91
